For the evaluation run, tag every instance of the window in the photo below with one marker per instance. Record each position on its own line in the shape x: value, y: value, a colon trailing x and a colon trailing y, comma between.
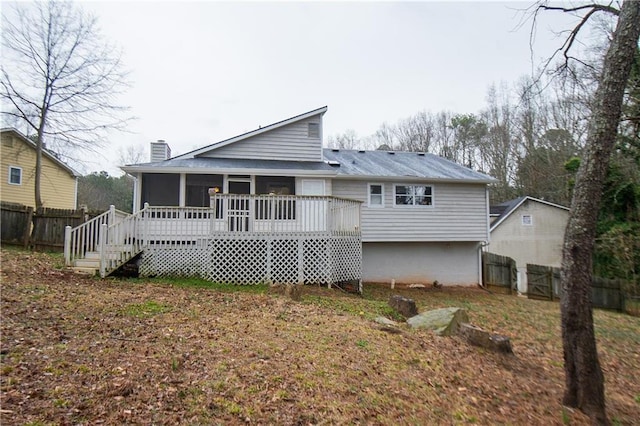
x: 197, y: 189
x: 413, y: 195
x: 376, y: 195
x: 160, y: 189
x: 280, y: 208
x: 15, y: 175
x: 527, y: 220
x: 314, y: 130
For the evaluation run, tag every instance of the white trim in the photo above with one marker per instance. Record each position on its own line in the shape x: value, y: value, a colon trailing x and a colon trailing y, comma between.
x: 414, y: 206
x: 369, y: 204
x: 221, y: 171
x: 11, y: 168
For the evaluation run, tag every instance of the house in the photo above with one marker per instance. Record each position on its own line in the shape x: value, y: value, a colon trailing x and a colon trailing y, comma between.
x: 58, y: 184
x: 528, y: 230
x: 275, y: 193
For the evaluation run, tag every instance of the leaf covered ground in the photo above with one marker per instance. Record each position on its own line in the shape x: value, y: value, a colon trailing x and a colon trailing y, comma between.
x: 80, y: 350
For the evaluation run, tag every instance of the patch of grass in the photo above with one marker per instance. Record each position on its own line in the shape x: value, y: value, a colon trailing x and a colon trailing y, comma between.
x: 202, y: 283
x: 60, y: 403
x: 146, y: 309
x: 638, y: 398
x: 362, y: 343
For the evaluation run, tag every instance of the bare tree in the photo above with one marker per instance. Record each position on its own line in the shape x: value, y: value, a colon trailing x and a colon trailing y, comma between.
x: 347, y: 140
x: 583, y: 375
x: 59, y: 78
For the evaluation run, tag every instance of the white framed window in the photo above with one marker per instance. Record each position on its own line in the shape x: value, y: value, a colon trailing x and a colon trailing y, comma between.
x: 15, y: 175
x: 314, y: 131
x: 376, y: 195
x: 527, y: 220
x: 413, y: 195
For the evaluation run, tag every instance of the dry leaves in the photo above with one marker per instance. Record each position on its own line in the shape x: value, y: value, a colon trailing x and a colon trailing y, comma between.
x: 78, y: 350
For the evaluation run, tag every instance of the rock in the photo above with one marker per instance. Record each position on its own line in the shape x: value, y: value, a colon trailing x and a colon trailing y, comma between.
x: 403, y: 305
x: 385, y: 321
x: 478, y: 337
x: 444, y: 322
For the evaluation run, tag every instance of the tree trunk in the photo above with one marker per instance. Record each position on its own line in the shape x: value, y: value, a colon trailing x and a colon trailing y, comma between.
x: 583, y: 375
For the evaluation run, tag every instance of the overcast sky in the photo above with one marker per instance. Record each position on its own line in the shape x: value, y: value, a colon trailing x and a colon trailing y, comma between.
x: 205, y: 71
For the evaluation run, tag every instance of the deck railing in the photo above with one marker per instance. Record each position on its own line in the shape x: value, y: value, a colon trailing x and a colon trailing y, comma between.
x: 118, y: 236
x: 86, y: 237
x: 237, y: 214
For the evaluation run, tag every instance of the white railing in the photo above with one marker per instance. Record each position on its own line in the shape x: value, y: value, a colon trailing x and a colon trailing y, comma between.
x: 86, y: 237
x: 120, y: 241
x: 118, y: 236
x: 231, y: 214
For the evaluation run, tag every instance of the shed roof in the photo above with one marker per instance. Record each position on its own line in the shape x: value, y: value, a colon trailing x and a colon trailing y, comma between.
x: 258, y: 131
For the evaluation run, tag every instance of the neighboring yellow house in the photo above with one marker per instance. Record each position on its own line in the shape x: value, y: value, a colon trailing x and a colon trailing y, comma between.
x: 58, y: 182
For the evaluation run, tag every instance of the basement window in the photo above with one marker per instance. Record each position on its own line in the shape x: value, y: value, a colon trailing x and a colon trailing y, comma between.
x: 15, y: 175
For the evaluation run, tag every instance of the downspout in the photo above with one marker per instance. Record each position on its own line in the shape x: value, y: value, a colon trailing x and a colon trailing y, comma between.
x: 486, y: 242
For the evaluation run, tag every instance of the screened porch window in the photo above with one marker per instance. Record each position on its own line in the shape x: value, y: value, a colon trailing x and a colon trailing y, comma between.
x: 413, y: 195
x: 161, y: 189
x: 197, y: 187
x: 279, y: 209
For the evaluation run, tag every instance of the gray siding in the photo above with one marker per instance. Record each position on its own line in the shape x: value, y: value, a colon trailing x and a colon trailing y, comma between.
x: 459, y: 213
x: 289, y: 142
x: 421, y: 263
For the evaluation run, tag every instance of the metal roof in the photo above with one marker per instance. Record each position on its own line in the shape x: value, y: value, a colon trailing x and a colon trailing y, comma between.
x: 396, y: 164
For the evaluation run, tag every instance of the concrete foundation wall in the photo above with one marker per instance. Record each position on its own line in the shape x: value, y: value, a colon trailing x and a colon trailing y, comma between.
x: 455, y: 263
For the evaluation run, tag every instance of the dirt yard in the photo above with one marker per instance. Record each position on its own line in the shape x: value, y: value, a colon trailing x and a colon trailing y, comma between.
x: 79, y: 350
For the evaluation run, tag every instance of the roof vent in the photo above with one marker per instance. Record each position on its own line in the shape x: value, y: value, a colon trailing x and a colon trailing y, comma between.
x: 391, y: 152
x: 333, y: 163
x: 421, y: 154
x: 335, y: 150
x: 362, y: 151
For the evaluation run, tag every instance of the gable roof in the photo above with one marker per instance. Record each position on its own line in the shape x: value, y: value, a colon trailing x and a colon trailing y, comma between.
x: 253, y: 133
x: 400, y: 164
x: 49, y: 154
x: 504, y: 210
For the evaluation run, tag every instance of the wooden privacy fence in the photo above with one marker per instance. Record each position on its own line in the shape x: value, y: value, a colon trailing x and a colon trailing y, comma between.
x: 499, y: 272
x: 15, y: 223
x: 544, y: 283
x: 42, y: 229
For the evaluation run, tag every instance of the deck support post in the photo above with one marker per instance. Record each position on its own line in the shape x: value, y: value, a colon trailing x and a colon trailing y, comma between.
x: 67, y: 245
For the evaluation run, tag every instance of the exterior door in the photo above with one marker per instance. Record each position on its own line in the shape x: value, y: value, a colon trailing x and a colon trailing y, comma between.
x: 239, y: 213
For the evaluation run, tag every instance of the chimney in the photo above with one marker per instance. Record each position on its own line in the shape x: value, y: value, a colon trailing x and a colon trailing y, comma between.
x: 160, y: 151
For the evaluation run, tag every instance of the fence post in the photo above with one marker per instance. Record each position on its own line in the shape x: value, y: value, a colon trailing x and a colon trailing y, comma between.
x: 67, y: 245
x: 103, y: 238
x: 29, y: 225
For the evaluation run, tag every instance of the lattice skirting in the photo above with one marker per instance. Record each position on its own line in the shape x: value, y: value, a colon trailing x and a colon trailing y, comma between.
x: 252, y: 259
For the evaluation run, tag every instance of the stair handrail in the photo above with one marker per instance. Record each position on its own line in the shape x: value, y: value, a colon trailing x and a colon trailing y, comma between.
x: 85, y: 237
x: 124, y: 240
